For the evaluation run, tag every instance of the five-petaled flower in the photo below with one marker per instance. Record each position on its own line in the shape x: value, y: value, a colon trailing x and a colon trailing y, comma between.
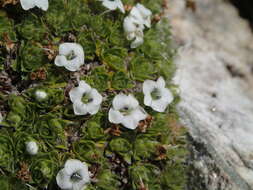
x: 29, y: 4
x: 71, y: 56
x: 135, y: 23
x: 127, y: 111
x: 113, y: 5
x: 156, y: 95
x: 85, y: 99
x: 32, y: 148
x: 142, y: 14
x: 74, y: 175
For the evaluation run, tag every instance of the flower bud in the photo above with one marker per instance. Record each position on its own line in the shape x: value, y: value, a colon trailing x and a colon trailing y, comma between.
x: 32, y: 148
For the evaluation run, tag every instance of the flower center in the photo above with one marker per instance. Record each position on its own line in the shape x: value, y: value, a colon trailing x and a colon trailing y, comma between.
x: 86, y: 98
x: 156, y: 94
x: 76, y: 177
x: 125, y: 110
x: 71, y: 55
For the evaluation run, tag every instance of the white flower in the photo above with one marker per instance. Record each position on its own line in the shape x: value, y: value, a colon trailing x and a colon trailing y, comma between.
x: 32, y: 148
x: 135, y: 23
x: 134, y: 31
x: 29, y: 4
x: 85, y: 99
x: 126, y: 110
x: 113, y: 5
x: 74, y: 175
x: 142, y: 14
x: 40, y: 95
x: 156, y: 95
x: 71, y: 56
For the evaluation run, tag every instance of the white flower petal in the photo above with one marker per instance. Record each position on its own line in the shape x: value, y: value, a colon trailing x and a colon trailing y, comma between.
x: 92, y: 109
x: 167, y: 96
x: 144, y: 11
x: 121, y: 6
x: 114, y: 4
x: 42, y: 4
x: 63, y: 179
x: 84, y: 86
x: 147, y: 100
x: 60, y: 60
x: 160, y: 82
x: 136, y: 14
x: 73, y: 65
x: 27, y: 4
x: 97, y: 98
x: 76, y: 94
x: 139, y: 114
x: 146, y: 14
x: 115, y: 116
x: 119, y: 101
x: 159, y: 105
x: 137, y: 42
x: 129, y: 122
x: 148, y: 86
x: 129, y: 25
x: 80, y: 185
x: 80, y: 108
x: 73, y: 165
x: 132, y: 102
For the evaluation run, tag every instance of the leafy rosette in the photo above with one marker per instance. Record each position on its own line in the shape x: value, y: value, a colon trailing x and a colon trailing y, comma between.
x: 145, y: 148
x: 21, y: 113
x: 20, y: 140
x: 89, y: 151
x: 51, y: 130
x: 30, y: 53
x: 43, y: 169
x: 122, y: 147
x: 144, y: 176
x: 6, y: 28
x: 107, y: 180
x: 31, y: 29
x: 93, y: 128
x: 6, y: 151
x: 46, y: 98
x: 10, y: 183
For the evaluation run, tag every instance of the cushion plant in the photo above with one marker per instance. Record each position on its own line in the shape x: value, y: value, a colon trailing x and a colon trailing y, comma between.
x: 48, y: 137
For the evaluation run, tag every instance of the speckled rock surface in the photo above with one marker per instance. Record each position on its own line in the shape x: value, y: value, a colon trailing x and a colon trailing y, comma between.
x: 215, y: 64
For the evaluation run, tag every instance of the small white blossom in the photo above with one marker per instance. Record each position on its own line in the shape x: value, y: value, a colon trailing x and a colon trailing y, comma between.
x: 135, y: 23
x: 32, y: 148
x: 142, y: 14
x: 85, y: 99
x: 134, y: 31
x: 156, y: 95
x: 74, y: 175
x: 71, y: 56
x: 126, y: 110
x: 40, y: 95
x: 113, y: 5
x: 29, y: 4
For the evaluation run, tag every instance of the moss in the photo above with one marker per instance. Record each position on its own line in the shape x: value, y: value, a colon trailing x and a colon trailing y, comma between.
x: 151, y: 156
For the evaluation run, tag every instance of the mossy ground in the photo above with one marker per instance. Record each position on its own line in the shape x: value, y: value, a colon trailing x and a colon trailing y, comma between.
x: 150, y: 157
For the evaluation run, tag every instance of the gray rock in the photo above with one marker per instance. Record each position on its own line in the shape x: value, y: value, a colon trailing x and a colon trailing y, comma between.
x: 215, y: 61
